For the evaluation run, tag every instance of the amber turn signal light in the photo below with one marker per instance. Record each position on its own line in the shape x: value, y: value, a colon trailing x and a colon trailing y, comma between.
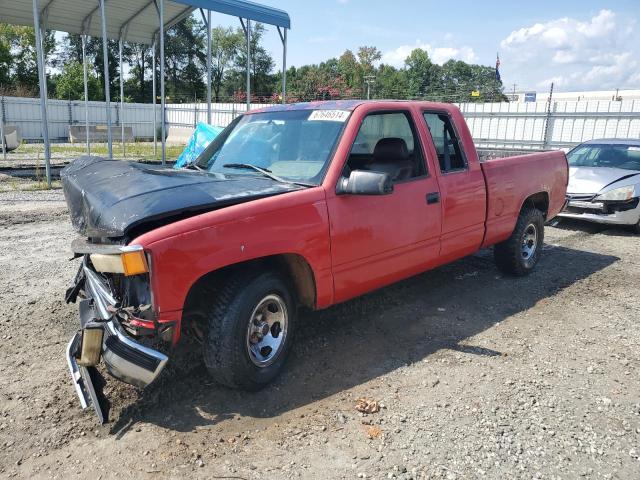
x: 134, y: 262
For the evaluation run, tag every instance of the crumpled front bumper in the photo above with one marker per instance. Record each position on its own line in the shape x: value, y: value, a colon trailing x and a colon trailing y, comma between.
x: 123, y: 357
x: 596, y: 212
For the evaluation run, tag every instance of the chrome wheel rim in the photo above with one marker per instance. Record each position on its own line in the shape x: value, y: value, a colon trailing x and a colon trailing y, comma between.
x: 267, y: 330
x: 529, y: 243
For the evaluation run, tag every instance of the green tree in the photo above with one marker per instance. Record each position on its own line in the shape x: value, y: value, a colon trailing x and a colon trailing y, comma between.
x: 70, y: 82
x: 225, y: 47
x: 71, y: 51
x: 185, y: 55
x: 20, y: 43
x: 349, y: 69
x: 367, y: 56
x: 390, y: 82
x: 422, y: 74
x: 5, y: 58
x: 139, y: 58
x: 262, y: 82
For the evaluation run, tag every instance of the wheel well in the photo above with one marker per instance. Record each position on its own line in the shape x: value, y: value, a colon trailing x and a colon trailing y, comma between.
x: 538, y: 200
x: 293, y: 266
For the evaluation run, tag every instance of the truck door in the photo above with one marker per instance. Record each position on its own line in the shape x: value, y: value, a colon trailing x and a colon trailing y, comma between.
x: 379, y: 239
x: 462, y: 188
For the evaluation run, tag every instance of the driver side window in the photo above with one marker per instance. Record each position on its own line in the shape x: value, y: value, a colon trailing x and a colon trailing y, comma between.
x: 386, y: 142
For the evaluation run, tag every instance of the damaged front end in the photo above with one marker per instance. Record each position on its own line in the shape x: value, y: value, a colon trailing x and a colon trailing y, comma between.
x: 117, y: 323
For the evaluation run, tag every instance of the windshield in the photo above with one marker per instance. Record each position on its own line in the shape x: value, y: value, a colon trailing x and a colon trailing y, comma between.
x: 613, y: 156
x: 294, y: 145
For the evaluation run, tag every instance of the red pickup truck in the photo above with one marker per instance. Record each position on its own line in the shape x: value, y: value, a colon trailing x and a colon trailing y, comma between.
x: 295, y: 205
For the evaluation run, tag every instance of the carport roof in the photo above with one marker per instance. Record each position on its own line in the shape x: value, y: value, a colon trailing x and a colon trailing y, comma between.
x: 136, y: 19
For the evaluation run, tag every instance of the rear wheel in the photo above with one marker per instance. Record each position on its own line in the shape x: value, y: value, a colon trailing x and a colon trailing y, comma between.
x: 249, y: 330
x: 519, y: 254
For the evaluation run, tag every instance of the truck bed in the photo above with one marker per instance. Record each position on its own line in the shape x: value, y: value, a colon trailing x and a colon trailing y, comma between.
x: 510, y: 180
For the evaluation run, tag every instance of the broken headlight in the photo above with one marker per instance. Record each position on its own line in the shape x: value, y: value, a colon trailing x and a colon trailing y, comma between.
x: 617, y: 195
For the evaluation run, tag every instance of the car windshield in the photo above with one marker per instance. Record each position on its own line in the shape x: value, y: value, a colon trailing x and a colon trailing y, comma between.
x: 292, y: 145
x: 613, y: 156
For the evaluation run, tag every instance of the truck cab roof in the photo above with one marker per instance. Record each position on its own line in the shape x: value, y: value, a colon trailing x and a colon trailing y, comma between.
x: 343, y: 105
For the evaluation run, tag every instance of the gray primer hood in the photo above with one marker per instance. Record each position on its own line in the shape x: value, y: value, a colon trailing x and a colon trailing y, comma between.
x: 111, y: 198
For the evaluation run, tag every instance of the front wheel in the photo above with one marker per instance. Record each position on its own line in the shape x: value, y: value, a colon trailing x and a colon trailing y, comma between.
x: 250, y: 330
x: 519, y: 254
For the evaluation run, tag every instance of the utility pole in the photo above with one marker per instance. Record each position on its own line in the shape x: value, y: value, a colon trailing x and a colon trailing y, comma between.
x: 369, y: 80
x: 514, y: 93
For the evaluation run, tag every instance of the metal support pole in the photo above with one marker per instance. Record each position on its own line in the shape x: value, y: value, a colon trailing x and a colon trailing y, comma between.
x: 2, y: 139
x: 283, y: 38
x: 284, y: 68
x: 248, y: 32
x: 155, y: 110
x: 107, y: 97
x: 124, y: 148
x: 86, y: 92
x: 545, y: 138
x: 43, y: 89
x: 162, y: 99
x: 209, y: 67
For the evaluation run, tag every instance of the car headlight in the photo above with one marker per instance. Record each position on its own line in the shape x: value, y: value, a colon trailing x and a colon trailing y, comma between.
x: 131, y: 261
x: 618, y: 195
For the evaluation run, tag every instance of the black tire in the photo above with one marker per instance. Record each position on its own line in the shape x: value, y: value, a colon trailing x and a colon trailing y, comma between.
x: 636, y: 228
x: 510, y: 255
x: 226, y: 343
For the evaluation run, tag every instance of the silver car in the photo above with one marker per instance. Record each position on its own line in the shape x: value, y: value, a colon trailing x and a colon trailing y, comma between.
x: 604, y: 182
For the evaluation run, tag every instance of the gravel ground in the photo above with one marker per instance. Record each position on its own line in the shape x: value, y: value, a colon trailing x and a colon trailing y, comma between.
x: 477, y: 376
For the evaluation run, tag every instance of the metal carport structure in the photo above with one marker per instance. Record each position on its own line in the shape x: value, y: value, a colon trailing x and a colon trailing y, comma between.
x: 139, y: 21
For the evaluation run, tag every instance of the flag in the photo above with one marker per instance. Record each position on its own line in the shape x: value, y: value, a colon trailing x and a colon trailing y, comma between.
x: 498, y: 79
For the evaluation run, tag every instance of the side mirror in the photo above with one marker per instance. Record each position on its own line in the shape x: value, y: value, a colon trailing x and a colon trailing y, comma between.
x: 365, y: 182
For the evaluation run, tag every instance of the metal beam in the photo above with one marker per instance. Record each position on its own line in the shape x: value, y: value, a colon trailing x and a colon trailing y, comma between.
x: 42, y: 77
x: 247, y: 33
x: 153, y: 90
x: 44, y: 13
x: 283, y: 38
x: 162, y: 98
x: 124, y: 148
x: 209, y: 67
x: 2, y: 139
x: 86, y: 92
x: 86, y: 21
x: 185, y: 13
x: 107, y: 96
x: 125, y: 25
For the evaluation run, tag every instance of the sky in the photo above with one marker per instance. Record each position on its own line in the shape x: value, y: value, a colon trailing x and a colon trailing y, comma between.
x: 578, y: 45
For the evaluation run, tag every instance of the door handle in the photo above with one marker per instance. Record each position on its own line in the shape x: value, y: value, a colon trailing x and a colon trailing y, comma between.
x: 433, y: 197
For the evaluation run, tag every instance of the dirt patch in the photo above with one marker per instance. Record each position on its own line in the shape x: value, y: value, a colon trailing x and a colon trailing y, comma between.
x: 475, y: 375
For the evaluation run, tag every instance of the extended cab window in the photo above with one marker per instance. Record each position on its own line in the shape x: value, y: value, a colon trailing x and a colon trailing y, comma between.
x: 450, y: 154
x: 386, y: 142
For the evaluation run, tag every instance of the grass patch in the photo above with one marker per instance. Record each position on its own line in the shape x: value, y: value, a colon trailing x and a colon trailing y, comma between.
x: 134, y: 151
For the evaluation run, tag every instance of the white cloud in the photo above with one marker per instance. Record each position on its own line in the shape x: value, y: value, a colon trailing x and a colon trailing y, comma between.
x: 595, y: 53
x: 439, y: 55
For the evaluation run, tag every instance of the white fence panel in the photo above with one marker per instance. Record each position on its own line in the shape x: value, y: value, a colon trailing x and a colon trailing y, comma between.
x: 538, y: 125
x: 508, y: 126
x: 189, y: 114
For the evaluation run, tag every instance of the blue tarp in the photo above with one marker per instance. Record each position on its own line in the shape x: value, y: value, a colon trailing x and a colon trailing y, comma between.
x: 202, y: 136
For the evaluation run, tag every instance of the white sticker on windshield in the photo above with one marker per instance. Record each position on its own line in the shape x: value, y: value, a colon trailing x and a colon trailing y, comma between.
x: 634, y: 149
x: 329, y: 115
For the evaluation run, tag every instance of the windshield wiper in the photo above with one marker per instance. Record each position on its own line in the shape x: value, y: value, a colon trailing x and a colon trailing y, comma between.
x: 266, y: 172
